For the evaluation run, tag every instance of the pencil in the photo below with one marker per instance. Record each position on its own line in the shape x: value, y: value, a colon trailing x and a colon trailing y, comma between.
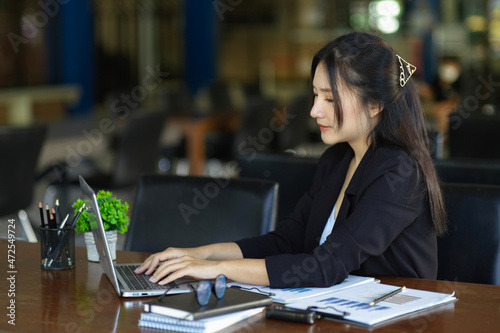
x: 72, y: 225
x: 386, y: 296
x: 42, y: 218
x: 55, y: 217
x: 63, y: 223
x: 47, y: 211
x: 58, y: 212
x: 53, y: 239
x: 64, y: 239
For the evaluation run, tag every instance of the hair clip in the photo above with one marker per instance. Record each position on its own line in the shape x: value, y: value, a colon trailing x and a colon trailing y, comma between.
x: 410, y: 68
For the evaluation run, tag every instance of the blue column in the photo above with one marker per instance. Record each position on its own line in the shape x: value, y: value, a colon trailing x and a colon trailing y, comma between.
x: 200, y: 43
x: 77, y: 51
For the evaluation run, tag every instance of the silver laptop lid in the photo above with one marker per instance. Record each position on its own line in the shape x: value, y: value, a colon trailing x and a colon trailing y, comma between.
x: 99, y: 233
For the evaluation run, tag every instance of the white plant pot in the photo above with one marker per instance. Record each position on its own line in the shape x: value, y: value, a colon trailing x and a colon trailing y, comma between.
x: 92, y: 255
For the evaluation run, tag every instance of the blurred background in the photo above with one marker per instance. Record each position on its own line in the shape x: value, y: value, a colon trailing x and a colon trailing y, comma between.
x: 224, y: 78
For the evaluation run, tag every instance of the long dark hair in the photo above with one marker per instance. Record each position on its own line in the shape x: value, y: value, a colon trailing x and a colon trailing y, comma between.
x: 369, y: 66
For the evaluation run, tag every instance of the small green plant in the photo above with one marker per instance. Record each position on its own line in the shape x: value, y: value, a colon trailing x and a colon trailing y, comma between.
x: 113, y: 212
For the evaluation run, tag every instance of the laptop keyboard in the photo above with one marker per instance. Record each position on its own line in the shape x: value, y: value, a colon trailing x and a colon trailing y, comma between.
x: 139, y: 281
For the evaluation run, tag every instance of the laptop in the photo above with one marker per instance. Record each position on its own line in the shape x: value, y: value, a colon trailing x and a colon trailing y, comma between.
x: 122, y: 276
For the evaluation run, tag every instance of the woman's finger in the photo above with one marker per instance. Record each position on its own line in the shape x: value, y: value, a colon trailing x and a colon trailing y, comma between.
x: 145, y: 265
x: 174, y: 276
x: 166, y: 269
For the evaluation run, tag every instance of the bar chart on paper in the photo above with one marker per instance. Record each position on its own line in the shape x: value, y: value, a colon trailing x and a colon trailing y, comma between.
x: 288, y: 295
x: 365, y: 305
x: 356, y: 301
x: 401, y: 299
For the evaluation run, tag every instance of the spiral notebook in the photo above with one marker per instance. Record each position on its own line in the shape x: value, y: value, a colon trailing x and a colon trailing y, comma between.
x: 207, y: 325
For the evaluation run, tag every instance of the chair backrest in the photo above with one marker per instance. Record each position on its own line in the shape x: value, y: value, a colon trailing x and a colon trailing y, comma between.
x: 470, y: 251
x: 186, y: 211
x: 474, y: 135
x: 138, y: 147
x: 293, y: 174
x: 436, y: 143
x: 296, y: 131
x: 177, y: 102
x: 19, y: 149
x: 256, y: 131
x: 468, y: 171
x: 220, y: 98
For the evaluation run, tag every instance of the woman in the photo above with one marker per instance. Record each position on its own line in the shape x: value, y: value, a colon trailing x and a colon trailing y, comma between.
x: 375, y: 205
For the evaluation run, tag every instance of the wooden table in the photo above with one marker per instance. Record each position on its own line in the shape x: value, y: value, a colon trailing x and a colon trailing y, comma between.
x: 83, y: 300
x: 20, y: 101
x: 195, y: 130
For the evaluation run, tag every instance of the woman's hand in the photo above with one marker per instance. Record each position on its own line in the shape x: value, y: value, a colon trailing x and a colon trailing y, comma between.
x: 204, y: 262
x: 151, y: 263
x: 174, y: 269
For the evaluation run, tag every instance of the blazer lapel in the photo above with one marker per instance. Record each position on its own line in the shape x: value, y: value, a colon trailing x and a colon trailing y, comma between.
x: 353, y: 189
x: 324, y: 201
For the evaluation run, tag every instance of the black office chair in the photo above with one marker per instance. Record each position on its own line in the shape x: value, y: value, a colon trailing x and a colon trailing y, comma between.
x: 186, y: 211
x: 19, y: 148
x: 296, y: 131
x: 436, y: 143
x: 474, y: 135
x: 469, y: 171
x: 470, y: 251
x: 293, y: 174
x: 136, y: 152
x: 219, y: 143
x: 257, y: 133
x: 220, y: 98
x: 177, y: 102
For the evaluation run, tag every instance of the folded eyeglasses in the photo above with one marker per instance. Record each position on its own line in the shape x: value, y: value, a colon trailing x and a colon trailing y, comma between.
x: 204, y: 288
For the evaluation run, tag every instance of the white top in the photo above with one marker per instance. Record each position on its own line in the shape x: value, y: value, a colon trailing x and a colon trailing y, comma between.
x: 328, y: 227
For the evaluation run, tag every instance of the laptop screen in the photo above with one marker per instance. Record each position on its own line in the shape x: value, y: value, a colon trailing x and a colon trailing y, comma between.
x: 99, y: 233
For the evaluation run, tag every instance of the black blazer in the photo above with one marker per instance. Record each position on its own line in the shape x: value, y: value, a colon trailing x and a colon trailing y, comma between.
x: 383, y: 227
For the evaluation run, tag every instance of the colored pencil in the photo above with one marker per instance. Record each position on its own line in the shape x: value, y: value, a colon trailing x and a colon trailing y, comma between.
x: 42, y: 218
x: 47, y: 212
x: 64, y: 239
x: 58, y: 211
x: 73, y: 222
